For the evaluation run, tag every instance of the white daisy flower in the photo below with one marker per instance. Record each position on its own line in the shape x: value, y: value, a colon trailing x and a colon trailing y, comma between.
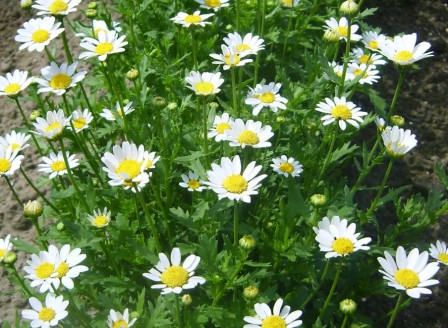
x: 151, y: 159
x: 126, y: 166
x: 100, y: 25
x: 369, y: 73
x: 56, y: 7
x: 220, y: 125
x: 372, y: 40
x: 40, y: 269
x: 287, y: 166
x: 58, y: 79
x: 341, y: 28
x: 48, y: 315
x: 117, y: 320
x: 37, y: 33
x: 398, y: 141
x: 110, y: 116
x: 107, y: 43
x: 227, y: 181
x: 380, y: 123
x: 12, y: 84
x: 9, y: 161
x: 213, y: 4
x: 438, y: 251
x: 341, y: 110
x: 250, y: 134
x: 15, y: 140
x: 100, y: 219
x: 361, y: 57
x: 249, y: 44
x: 67, y: 267
x: 172, y: 276
x: 278, y: 317
x: 204, y: 84
x: 5, y: 247
x: 266, y: 96
x: 290, y: 3
x: 410, y: 273
x: 192, y: 182
x: 55, y: 165
x: 337, y: 239
x: 403, y: 51
x: 186, y: 20
x: 230, y: 58
x: 51, y: 127
x: 81, y: 119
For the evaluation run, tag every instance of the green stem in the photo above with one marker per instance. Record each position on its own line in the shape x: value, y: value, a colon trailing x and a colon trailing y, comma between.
x: 179, y: 318
x: 344, y: 323
x: 327, y: 158
x: 346, y: 57
x: 49, y: 55
x: 13, y: 191
x: 204, y: 117
x: 310, y: 296
x: 397, y: 91
x: 41, y: 195
x: 237, y: 7
x: 380, y: 191
x: 39, y: 232
x: 65, y: 42
x: 20, y: 279
x: 106, y: 249
x: 235, y: 107
x: 396, y: 309
x: 194, y: 49
x: 333, y: 287
x: 236, y: 217
x: 28, y: 126
x: 287, y: 34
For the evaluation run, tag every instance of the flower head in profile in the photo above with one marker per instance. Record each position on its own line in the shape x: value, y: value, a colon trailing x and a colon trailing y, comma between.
x: 372, y: 40
x: 341, y: 29
x: 368, y: 74
x: 15, y: 140
x: 151, y: 159
x: 439, y: 251
x: 342, y: 111
x: 37, y: 33
x: 110, y: 115
x: 230, y: 58
x: 58, y: 79
x: 213, y: 4
x: 266, y: 96
x: 195, y: 19
x: 9, y: 161
x: 290, y: 3
x: 287, y: 166
x: 117, y: 320
x: 107, y: 43
x: 126, y: 166
x: 403, y: 51
x: 204, y: 84
x: 398, y: 141
x: 228, y: 182
x: 192, y: 182
x: 380, y: 123
x: 220, y: 125
x: 48, y: 314
x: 411, y: 273
x: 277, y: 317
x: 80, y: 119
x: 100, y: 25
x: 361, y: 57
x: 5, y: 247
x: 251, y: 134
x: 99, y: 219
x: 51, y: 127
x: 13, y: 84
x: 55, y: 164
x: 249, y: 44
x: 338, y: 238
x: 172, y: 277
x: 56, y: 7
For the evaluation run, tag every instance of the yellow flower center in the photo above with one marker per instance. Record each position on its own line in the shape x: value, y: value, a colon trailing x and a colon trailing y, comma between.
x: 193, y: 184
x: 204, y: 88
x: 221, y: 127
x: 273, y: 321
x: 175, y: 276
x: 2, y: 253
x: 130, y: 167
x: 242, y: 47
x: 403, y: 55
x: 62, y: 269
x: 192, y: 19
x: 47, y: 314
x: 79, y: 123
x: 286, y: 167
x: 443, y: 257
x: 287, y: 3
x: 212, y: 3
x: 54, y: 126
x: 235, y: 184
x: 358, y: 71
x: 364, y: 59
x: 407, y: 278
x: 100, y: 221
x: 120, y: 324
x: 15, y: 146
x: 248, y: 137
x: 341, y: 112
x: 58, y: 166
x: 104, y: 48
x: 236, y: 60
x: 373, y: 44
x: 267, y: 97
x: 13, y: 88
x: 5, y: 165
x: 44, y: 270
x: 40, y: 36
x: 60, y: 81
x: 342, y: 31
x: 343, y: 246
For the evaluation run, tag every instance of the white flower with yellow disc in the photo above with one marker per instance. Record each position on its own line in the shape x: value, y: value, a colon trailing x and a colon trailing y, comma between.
x: 192, y: 182
x: 398, y: 141
x: 108, y: 43
x: 58, y: 79
x: 52, y: 126
x: 9, y: 161
x: 56, y: 7
x: 195, y: 19
x: 372, y: 40
x: 213, y: 4
x: 117, y: 320
x: 55, y: 165
x: 48, y: 314
x: 99, y: 219
x: 277, y: 317
x: 40, y: 269
x: 151, y: 159
x: 361, y: 57
x: 439, y: 251
x: 369, y: 74
x: 15, y: 140
x: 230, y: 58
x: 403, y: 51
x: 266, y: 96
x: 12, y: 84
x: 220, y: 125
x: 67, y: 265
x: 5, y: 247
x: 251, y: 134
x: 342, y: 111
x: 249, y: 44
x: 110, y: 115
x: 80, y: 119
x: 341, y: 28
x: 287, y: 166
x: 204, y: 84
x: 37, y: 33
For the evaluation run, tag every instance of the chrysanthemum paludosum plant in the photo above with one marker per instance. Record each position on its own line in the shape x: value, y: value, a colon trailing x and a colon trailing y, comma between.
x: 158, y: 134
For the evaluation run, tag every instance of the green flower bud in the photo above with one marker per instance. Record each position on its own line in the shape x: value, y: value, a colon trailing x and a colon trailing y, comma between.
x: 159, y: 102
x: 347, y: 306
x: 91, y: 13
x: 186, y: 299
x: 349, y: 7
x: 10, y: 258
x: 397, y: 120
x: 34, y: 115
x: 134, y: 315
x: 281, y: 119
x: 132, y: 74
x: 251, y: 292
x: 26, y: 4
x: 318, y: 200
x: 229, y: 27
x: 213, y: 105
x: 33, y: 209
x: 172, y: 106
x: 331, y: 35
x: 60, y: 226
x: 92, y: 5
x: 247, y: 242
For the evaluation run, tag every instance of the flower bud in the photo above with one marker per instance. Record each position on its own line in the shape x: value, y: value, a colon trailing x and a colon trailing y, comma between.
x: 134, y: 315
x: 34, y: 115
x: 251, y: 292
x: 33, y: 209
x: 60, y: 226
x: 91, y: 13
x: 186, y: 299
x: 92, y: 5
x: 229, y: 27
x: 213, y: 105
x: 318, y: 200
x: 349, y: 7
x: 159, y: 102
x: 26, y: 4
x: 247, y: 242
x: 397, y: 120
x: 10, y: 258
x: 331, y: 35
x: 132, y: 74
x: 281, y: 119
x: 172, y: 106
x: 347, y: 306
x: 380, y: 123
